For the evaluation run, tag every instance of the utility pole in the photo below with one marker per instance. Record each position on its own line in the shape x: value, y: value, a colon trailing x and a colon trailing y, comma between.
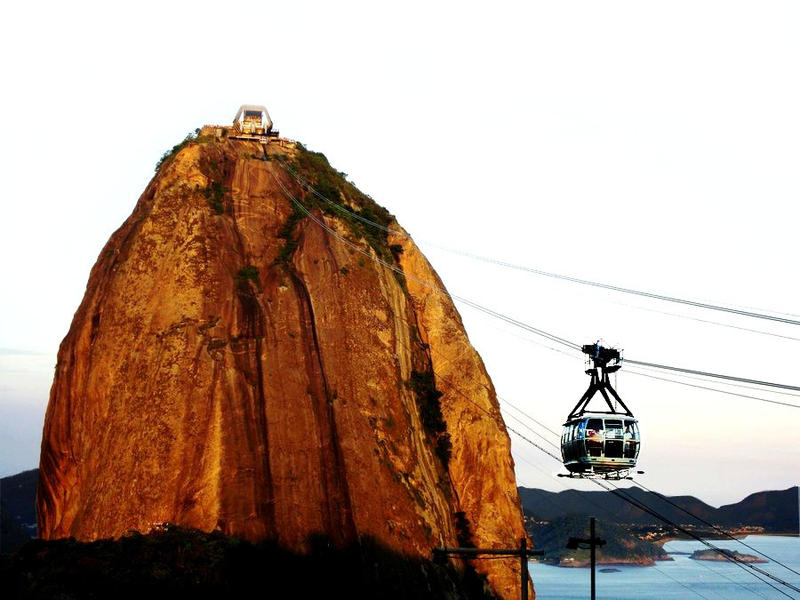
x: 592, y: 543
x: 440, y: 555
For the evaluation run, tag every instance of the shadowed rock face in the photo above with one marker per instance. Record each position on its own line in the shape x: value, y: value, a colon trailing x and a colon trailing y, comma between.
x: 234, y: 366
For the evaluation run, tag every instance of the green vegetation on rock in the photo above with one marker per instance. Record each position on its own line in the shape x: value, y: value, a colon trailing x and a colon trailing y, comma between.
x: 430, y: 410
x: 245, y: 275
x: 287, y: 234
x: 345, y: 200
x: 215, y: 194
x: 190, y: 137
x: 725, y: 555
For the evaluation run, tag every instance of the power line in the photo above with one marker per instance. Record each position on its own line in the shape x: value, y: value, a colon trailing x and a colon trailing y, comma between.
x: 661, y: 496
x: 705, y: 380
x: 427, y: 284
x: 602, y: 510
x: 489, y: 311
x: 704, y: 387
x: 520, y: 324
x: 709, y: 321
x: 717, y: 529
x: 697, y: 304
x: 527, y: 439
x: 755, y: 571
x: 715, y: 375
x: 641, y: 506
x: 481, y: 308
x: 524, y: 414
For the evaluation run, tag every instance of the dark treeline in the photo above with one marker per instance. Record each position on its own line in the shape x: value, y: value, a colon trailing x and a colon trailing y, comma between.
x: 179, y: 563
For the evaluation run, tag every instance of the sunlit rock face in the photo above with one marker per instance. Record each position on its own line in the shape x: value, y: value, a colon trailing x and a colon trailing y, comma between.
x: 235, y: 366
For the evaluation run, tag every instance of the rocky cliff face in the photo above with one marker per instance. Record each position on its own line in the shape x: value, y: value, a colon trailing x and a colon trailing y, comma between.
x: 236, y: 366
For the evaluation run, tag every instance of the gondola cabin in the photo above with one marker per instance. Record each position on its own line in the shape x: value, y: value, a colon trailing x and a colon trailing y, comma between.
x: 600, y: 443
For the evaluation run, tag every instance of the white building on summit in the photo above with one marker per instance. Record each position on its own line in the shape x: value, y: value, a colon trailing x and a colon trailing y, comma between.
x: 253, y: 123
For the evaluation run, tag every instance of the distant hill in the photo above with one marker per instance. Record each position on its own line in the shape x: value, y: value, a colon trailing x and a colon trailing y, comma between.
x: 775, y: 511
x: 17, y: 509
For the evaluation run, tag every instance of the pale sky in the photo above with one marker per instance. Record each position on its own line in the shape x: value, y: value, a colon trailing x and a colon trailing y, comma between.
x: 646, y: 144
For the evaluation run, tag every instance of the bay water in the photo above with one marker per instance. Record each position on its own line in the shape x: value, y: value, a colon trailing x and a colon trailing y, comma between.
x: 681, y: 577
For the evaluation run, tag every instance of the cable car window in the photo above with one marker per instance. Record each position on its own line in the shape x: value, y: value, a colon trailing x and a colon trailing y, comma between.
x: 613, y: 429
x: 596, y: 424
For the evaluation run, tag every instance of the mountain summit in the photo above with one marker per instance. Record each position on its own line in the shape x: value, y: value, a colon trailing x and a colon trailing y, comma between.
x: 263, y: 351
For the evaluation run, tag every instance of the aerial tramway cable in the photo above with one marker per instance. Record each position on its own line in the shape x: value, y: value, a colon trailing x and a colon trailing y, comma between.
x: 428, y: 284
x: 538, y: 332
x: 644, y: 508
x: 709, y: 321
x: 501, y: 316
x: 697, y: 304
x: 736, y: 385
x: 602, y: 510
x: 704, y: 387
x: 714, y: 375
x: 639, y: 504
x: 717, y: 529
x: 755, y: 571
x: 641, y: 485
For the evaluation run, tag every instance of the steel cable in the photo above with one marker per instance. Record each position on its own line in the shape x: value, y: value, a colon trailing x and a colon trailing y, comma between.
x: 697, y: 304
x: 486, y: 310
x: 572, y: 345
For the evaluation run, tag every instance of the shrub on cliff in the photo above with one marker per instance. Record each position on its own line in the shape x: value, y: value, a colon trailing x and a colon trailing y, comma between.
x: 430, y: 412
x: 339, y: 197
x: 190, y: 137
x: 287, y: 234
x: 244, y: 276
x: 215, y: 194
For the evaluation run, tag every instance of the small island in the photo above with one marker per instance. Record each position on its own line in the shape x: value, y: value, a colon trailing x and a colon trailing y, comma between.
x: 725, y: 555
x: 620, y: 548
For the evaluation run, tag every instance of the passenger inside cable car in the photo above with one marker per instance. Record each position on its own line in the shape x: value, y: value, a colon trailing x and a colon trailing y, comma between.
x: 600, y: 443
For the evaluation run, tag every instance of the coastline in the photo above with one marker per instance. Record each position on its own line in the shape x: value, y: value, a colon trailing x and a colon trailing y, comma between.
x: 649, y: 562
x: 618, y: 562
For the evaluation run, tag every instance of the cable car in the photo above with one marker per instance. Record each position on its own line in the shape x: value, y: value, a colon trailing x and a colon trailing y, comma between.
x: 600, y: 443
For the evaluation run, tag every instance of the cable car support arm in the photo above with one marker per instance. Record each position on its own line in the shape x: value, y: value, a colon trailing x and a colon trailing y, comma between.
x: 600, y: 382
